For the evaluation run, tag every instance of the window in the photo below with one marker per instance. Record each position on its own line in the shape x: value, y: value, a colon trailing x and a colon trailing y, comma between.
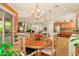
x: 7, y: 27
x: 1, y: 41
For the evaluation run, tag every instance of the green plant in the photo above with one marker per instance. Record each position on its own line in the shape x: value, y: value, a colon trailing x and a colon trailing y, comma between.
x: 76, y: 30
x: 74, y: 39
x: 10, y: 51
x: 76, y: 44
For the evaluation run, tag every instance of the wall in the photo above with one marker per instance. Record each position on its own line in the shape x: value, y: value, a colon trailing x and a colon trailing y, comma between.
x: 78, y: 20
x: 67, y: 17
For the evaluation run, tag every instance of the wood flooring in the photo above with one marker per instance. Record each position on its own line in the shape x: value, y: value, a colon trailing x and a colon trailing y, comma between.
x: 61, y: 45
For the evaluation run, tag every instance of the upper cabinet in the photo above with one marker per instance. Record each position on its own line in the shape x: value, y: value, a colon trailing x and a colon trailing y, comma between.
x: 68, y: 25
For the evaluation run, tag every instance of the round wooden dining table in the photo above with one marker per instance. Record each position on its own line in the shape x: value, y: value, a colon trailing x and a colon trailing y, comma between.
x: 38, y: 44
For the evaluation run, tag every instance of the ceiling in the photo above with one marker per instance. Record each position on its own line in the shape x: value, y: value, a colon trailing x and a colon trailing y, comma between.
x: 58, y: 9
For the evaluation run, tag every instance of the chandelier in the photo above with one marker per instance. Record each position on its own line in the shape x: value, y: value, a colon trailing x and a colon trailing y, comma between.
x: 37, y: 13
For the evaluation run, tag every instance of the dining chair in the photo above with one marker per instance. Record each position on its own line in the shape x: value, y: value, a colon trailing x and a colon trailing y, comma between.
x: 50, y: 51
x: 32, y: 54
x: 24, y: 47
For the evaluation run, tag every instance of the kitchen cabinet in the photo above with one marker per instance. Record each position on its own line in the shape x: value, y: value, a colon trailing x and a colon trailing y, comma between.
x: 77, y: 50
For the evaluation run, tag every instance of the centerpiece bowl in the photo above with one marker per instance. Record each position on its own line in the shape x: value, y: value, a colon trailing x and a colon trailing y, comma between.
x: 37, y: 37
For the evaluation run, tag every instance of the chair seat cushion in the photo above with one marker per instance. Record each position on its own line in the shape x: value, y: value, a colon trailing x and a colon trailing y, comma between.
x: 48, y: 51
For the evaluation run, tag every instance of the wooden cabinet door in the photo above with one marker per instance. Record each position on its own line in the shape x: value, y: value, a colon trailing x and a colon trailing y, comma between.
x: 77, y: 51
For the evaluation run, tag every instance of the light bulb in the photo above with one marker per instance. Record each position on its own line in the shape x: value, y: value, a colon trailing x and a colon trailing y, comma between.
x: 43, y: 12
x: 38, y: 10
x: 32, y: 11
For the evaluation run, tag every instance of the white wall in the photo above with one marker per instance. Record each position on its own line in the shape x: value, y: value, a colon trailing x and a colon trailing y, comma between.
x: 67, y: 17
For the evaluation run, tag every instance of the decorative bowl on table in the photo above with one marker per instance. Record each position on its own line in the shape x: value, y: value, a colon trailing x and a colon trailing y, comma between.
x: 37, y: 37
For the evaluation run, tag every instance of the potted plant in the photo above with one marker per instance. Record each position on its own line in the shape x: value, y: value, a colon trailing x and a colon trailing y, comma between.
x: 9, y: 52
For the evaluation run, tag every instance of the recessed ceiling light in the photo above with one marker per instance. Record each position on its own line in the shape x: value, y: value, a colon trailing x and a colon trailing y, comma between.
x: 50, y: 10
x: 56, y: 6
x: 64, y: 9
